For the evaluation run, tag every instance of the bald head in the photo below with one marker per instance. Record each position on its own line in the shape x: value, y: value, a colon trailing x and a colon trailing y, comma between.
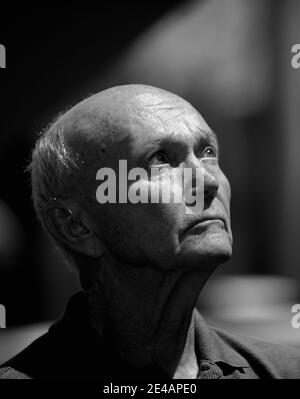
x: 123, y: 105
x: 109, y: 113
x: 98, y: 132
x: 143, y: 125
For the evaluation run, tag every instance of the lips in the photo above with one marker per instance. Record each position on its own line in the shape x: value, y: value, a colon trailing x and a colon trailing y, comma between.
x: 205, y: 219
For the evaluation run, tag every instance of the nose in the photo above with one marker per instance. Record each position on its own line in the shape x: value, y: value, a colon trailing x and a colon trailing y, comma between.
x: 210, y: 180
x: 211, y: 186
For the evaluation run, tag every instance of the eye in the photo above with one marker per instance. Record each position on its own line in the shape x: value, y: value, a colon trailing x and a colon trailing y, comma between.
x: 159, y: 158
x: 209, y: 152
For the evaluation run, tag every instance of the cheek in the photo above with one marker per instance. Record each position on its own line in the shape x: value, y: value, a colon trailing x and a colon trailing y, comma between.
x: 149, y: 227
x: 225, y: 191
x: 161, y: 187
x: 155, y: 220
x: 142, y: 232
x: 158, y: 202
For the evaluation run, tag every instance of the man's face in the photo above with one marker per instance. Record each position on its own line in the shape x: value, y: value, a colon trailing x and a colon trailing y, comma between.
x: 168, y: 132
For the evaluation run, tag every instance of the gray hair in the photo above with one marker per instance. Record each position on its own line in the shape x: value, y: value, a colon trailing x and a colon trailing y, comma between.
x: 55, y: 174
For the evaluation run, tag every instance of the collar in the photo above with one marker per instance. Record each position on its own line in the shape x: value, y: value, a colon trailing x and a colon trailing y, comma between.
x: 216, y: 346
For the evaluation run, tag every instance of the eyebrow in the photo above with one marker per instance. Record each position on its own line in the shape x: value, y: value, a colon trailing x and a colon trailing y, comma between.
x: 160, y: 142
x: 213, y: 137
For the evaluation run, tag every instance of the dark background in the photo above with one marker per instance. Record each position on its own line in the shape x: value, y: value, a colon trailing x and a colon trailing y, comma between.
x: 231, y: 59
x: 51, y: 51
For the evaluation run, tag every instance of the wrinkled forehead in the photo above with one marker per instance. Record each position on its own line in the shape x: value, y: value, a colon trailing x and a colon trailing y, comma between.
x: 119, y: 129
x: 167, y: 118
x: 161, y: 109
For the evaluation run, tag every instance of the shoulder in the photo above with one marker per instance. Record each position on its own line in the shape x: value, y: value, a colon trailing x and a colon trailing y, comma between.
x: 57, y: 355
x: 282, y: 361
x: 9, y: 373
x: 30, y: 362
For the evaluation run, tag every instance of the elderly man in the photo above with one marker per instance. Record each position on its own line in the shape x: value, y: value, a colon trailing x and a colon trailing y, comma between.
x: 141, y: 264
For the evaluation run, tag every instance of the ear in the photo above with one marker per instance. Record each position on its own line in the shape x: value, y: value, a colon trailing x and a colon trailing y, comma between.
x: 74, y: 232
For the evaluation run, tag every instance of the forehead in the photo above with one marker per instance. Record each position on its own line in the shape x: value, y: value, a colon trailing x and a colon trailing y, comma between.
x: 168, y: 122
x: 131, y: 128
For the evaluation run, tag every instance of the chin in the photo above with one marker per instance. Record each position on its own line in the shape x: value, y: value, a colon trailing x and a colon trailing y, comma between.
x: 207, y: 261
x: 207, y: 252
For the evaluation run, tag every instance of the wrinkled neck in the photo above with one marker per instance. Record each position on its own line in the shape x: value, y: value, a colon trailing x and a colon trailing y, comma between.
x: 146, y: 314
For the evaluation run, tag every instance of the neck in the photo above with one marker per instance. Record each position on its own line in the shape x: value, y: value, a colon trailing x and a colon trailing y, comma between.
x: 147, y: 313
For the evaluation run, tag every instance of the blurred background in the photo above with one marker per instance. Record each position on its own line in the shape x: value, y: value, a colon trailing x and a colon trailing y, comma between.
x: 232, y: 60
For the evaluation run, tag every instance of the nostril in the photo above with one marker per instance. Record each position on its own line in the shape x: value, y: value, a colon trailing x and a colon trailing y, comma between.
x: 209, y: 195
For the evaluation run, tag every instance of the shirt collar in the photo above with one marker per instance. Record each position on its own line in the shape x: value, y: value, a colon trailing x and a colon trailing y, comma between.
x: 213, y: 345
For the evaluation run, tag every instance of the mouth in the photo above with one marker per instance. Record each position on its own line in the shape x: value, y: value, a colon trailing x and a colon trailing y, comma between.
x: 205, y: 221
